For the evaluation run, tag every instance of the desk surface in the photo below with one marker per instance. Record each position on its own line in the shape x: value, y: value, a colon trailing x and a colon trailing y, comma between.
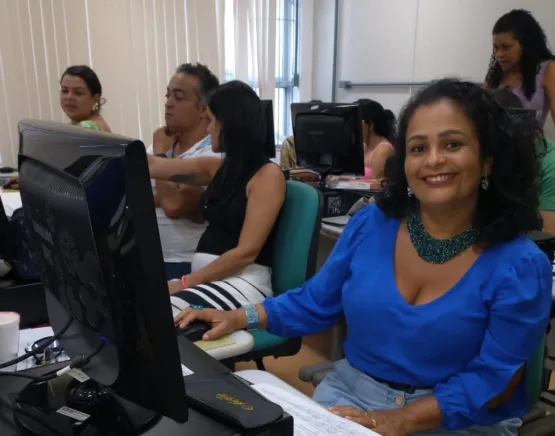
x: 243, y: 344
x: 197, y: 424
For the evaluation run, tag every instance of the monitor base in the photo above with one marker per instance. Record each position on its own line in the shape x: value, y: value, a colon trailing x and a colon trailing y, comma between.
x: 37, y: 410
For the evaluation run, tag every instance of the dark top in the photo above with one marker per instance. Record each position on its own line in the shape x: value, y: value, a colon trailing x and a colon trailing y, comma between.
x: 224, y: 209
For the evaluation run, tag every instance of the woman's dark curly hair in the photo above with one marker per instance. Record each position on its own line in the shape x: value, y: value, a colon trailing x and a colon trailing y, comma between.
x: 510, y: 205
x: 528, y: 32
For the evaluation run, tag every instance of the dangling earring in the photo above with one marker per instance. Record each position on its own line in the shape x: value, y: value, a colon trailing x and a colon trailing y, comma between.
x: 409, y: 192
x: 485, y: 183
x: 96, y: 107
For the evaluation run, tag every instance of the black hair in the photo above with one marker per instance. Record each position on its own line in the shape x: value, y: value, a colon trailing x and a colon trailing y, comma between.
x: 243, y: 134
x: 527, y: 31
x: 510, y: 205
x: 382, y: 119
x: 208, y: 82
x: 88, y: 75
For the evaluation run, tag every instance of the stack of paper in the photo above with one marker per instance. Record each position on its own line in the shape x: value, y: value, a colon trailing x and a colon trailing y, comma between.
x: 309, y: 418
x: 11, y: 202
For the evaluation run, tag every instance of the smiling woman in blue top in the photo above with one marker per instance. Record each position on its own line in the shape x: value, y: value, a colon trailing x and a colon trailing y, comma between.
x: 445, y: 300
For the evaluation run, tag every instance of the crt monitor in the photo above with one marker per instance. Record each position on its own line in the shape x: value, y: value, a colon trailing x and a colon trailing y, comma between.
x: 328, y: 139
x: 525, y: 121
x: 297, y: 108
x: 92, y: 227
x: 270, y: 143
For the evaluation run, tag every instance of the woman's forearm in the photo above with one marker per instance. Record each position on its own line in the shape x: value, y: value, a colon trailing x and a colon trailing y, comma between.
x: 422, y: 415
x: 224, y: 266
x: 195, y: 171
x: 166, y: 169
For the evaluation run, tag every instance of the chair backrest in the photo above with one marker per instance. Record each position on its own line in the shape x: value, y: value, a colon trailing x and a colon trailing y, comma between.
x: 533, y: 377
x: 296, y: 240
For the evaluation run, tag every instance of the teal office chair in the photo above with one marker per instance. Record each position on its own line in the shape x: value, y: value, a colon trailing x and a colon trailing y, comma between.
x: 294, y: 261
x: 539, y: 421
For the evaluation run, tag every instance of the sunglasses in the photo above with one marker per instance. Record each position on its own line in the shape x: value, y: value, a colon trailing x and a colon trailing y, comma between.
x: 43, y: 353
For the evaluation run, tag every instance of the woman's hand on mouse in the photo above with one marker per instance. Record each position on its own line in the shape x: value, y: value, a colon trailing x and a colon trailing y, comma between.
x: 12, y: 183
x: 222, y: 322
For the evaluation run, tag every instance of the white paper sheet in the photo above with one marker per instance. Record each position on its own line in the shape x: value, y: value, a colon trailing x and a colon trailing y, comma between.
x: 311, y: 419
x: 11, y: 202
x: 28, y: 337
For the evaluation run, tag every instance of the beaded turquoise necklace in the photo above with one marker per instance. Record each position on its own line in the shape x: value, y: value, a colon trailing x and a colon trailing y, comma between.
x: 437, y: 250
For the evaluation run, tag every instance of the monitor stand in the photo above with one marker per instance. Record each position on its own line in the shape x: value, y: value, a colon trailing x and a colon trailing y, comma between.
x: 37, y: 405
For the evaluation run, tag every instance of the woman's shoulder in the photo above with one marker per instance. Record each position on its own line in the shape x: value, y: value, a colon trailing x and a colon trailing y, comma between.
x: 268, y: 177
x: 517, y: 248
x: 546, y: 72
x: 269, y: 171
x: 368, y: 219
x: 89, y: 124
x: 520, y: 256
x: 96, y: 124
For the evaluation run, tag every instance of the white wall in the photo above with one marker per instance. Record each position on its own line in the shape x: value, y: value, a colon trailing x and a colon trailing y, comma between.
x: 322, y: 62
x: 409, y: 41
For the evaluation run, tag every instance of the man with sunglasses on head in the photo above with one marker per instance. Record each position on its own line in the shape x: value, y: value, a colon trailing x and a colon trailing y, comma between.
x: 184, y: 136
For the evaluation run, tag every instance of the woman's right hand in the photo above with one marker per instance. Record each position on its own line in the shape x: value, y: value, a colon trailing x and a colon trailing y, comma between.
x: 12, y: 183
x: 223, y: 322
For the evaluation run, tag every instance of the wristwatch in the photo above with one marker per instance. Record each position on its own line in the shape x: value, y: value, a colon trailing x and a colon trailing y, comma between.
x: 253, y: 320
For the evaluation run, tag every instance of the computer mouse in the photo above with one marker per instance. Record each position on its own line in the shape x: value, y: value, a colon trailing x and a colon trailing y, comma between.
x: 194, y: 331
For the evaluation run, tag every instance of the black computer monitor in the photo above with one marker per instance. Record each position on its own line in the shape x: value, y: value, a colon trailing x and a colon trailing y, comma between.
x: 521, y: 114
x: 328, y: 139
x: 270, y: 144
x: 297, y: 108
x: 91, y: 222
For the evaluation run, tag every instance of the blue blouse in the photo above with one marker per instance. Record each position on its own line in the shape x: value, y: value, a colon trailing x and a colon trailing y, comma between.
x: 468, y: 343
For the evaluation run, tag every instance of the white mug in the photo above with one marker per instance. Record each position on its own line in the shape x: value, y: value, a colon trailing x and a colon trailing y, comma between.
x: 9, y: 337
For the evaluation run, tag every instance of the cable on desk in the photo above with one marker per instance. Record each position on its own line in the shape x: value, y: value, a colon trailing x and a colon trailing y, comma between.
x: 31, y: 353
x: 76, y: 363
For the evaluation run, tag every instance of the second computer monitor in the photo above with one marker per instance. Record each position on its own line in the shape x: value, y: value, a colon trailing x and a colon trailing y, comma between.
x: 270, y: 143
x: 328, y: 139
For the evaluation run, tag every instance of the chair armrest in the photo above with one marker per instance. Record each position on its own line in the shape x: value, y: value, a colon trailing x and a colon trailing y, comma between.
x: 243, y: 344
x: 310, y: 373
x: 338, y: 335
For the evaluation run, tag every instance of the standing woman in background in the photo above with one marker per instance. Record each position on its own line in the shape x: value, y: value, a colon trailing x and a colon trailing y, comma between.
x: 378, y: 125
x: 81, y: 98
x: 522, y: 62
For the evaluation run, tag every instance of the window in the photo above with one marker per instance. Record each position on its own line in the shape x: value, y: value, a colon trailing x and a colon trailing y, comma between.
x: 287, y: 76
x: 286, y: 53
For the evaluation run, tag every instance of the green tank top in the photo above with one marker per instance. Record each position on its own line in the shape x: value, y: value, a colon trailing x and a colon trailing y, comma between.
x: 547, y: 177
x: 88, y: 124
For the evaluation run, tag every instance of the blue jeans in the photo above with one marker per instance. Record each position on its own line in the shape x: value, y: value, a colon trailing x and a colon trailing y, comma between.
x: 175, y: 270
x: 347, y: 386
